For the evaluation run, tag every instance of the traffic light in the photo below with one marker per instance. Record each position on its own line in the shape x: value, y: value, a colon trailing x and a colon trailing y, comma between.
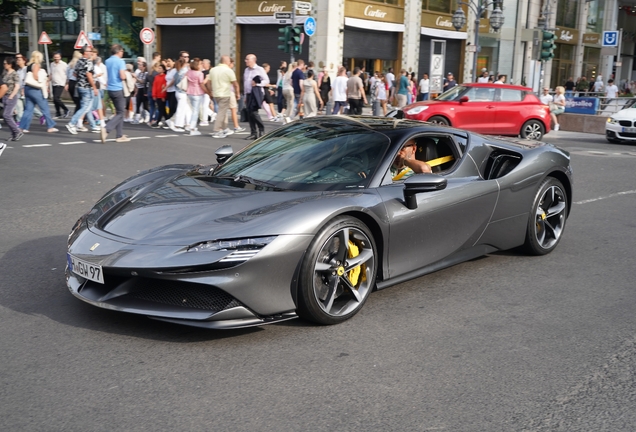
x: 284, y: 38
x: 297, y: 44
x: 547, y: 46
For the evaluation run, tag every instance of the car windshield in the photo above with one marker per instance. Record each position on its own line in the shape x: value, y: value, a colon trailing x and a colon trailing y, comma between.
x: 317, y: 155
x: 453, y: 94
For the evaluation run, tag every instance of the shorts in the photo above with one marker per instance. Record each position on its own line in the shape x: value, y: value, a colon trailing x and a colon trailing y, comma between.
x: 557, y: 111
x: 268, y: 98
x: 233, y: 103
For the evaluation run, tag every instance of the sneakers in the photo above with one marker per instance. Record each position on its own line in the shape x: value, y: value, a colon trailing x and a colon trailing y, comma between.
x: 42, y: 120
x: 204, y: 124
x: 146, y: 116
x: 238, y: 130
x: 228, y: 132
x: 103, y: 134
x: 2, y: 147
x: 51, y: 130
x: 170, y: 123
x: 178, y: 129
x: 82, y: 129
x: 194, y: 132
x: 556, y: 127
x: 18, y: 136
x: 219, y: 134
x: 96, y: 129
x: 122, y: 138
x: 71, y: 129
x: 67, y: 113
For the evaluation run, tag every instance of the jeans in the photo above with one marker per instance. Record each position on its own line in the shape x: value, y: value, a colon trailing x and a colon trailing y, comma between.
x: 57, y: 101
x: 152, y: 107
x: 195, y: 101
x: 9, y: 107
x: 117, y: 122
x: 33, y: 96
x: 172, y: 104
x: 296, y: 103
x: 86, y: 105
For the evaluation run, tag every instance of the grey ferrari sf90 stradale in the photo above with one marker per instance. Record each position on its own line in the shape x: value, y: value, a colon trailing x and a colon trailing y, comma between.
x: 310, y: 219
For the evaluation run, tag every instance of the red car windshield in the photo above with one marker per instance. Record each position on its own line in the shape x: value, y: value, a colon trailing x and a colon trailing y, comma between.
x: 453, y: 94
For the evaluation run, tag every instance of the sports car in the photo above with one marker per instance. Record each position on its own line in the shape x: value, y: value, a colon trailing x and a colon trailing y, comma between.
x: 311, y: 218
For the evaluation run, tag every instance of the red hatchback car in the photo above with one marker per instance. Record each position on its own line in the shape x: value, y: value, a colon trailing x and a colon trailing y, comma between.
x: 494, y: 109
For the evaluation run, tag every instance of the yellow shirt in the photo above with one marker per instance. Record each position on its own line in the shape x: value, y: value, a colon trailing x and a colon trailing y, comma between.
x: 221, y: 78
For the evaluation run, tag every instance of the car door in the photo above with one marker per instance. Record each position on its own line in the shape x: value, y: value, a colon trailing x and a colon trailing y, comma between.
x: 508, y: 113
x: 478, y: 114
x: 444, y: 221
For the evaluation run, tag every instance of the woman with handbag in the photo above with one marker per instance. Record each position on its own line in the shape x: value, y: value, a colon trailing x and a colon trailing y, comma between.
x: 35, y: 93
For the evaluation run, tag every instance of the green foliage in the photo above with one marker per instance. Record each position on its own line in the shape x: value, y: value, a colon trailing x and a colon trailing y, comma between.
x: 9, y: 7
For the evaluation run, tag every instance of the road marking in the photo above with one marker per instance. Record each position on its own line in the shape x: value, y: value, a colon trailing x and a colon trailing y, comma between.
x: 73, y: 142
x: 605, y: 197
x: 37, y: 145
x: 107, y: 140
x: 166, y: 136
x: 138, y: 138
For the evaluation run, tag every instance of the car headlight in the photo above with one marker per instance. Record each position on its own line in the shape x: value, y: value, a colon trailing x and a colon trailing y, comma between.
x: 612, y: 120
x: 246, y: 244
x: 417, y: 109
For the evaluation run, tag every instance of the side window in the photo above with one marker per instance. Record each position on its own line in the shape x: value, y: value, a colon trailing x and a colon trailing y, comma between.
x: 480, y: 94
x: 509, y: 95
x: 438, y: 151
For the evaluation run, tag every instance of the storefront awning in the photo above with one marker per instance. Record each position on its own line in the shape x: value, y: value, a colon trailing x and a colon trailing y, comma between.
x: 445, y: 34
x: 374, y: 25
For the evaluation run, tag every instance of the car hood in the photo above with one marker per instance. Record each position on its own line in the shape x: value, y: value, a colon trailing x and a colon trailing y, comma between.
x: 626, y: 114
x: 186, y: 208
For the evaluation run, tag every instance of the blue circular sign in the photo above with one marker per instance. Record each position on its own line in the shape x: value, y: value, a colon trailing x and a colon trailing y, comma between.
x: 310, y: 26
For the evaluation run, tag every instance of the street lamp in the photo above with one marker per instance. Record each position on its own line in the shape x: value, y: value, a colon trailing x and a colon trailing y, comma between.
x: 478, y: 7
x: 16, y: 23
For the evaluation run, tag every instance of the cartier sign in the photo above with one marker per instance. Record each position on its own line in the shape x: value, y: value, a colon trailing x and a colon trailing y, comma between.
x: 376, y: 13
x: 444, y: 22
x: 185, y: 9
x: 270, y: 8
x: 591, y: 38
x: 363, y: 10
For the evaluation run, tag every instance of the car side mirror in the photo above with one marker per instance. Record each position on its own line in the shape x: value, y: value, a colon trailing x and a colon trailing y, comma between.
x: 420, y: 183
x: 224, y: 153
x: 463, y: 99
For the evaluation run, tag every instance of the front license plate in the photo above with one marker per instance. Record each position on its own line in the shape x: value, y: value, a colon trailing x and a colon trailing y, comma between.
x: 629, y: 130
x: 85, y: 269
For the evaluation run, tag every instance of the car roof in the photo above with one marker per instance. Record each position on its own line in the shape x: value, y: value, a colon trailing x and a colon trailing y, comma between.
x: 493, y: 85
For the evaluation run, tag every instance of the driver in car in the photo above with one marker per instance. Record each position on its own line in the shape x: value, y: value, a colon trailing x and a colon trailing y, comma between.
x: 405, y: 164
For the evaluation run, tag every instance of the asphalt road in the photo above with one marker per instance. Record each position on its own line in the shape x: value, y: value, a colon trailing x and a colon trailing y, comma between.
x: 502, y: 343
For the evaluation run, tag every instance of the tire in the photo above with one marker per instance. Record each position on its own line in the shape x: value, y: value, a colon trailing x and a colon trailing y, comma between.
x: 439, y: 120
x: 338, y: 272
x: 613, y: 140
x: 532, y: 129
x: 547, y: 218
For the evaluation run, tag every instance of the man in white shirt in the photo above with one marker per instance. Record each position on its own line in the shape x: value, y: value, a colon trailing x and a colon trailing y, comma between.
x: 611, y: 91
x: 501, y: 79
x: 546, y: 97
x: 484, y: 77
x: 425, y: 86
x: 390, y: 80
x: 58, y: 80
x: 598, y: 85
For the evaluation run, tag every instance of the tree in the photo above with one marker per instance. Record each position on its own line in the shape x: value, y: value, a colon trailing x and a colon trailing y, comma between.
x: 9, y: 7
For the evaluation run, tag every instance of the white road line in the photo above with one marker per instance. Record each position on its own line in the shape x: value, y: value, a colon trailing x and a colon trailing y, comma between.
x: 605, y: 197
x: 73, y: 142
x: 37, y: 145
x: 166, y: 136
x: 107, y: 140
x: 138, y: 138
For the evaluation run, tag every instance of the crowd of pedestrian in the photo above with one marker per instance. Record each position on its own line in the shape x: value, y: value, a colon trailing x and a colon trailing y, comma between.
x: 184, y: 94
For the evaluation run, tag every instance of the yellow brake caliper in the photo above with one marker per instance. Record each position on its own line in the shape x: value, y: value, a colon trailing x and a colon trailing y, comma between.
x: 354, y: 273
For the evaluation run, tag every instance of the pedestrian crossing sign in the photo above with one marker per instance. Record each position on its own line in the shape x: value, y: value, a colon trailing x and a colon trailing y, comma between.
x: 82, y: 40
x: 44, y: 39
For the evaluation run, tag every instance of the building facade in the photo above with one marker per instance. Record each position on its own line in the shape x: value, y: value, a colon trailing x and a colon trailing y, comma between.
x: 416, y: 35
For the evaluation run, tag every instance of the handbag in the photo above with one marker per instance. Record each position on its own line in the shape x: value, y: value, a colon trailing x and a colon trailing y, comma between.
x: 31, y: 81
x: 183, y: 84
x: 244, y: 117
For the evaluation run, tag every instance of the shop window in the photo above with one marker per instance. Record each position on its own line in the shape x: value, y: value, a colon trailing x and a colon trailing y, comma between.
x: 566, y: 13
x: 441, y: 6
x: 391, y: 2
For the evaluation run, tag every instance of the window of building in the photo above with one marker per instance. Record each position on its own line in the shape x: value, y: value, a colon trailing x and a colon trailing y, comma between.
x: 391, y: 2
x: 591, y: 62
x: 566, y: 13
x: 441, y: 6
x: 562, y: 64
x: 595, y: 15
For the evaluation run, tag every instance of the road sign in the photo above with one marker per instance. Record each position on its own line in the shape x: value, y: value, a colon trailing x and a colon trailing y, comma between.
x: 70, y: 14
x: 303, y: 6
x: 44, y: 39
x: 82, y: 40
x: 95, y: 36
x: 283, y: 15
x: 147, y: 36
x: 610, y: 38
x: 310, y: 26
